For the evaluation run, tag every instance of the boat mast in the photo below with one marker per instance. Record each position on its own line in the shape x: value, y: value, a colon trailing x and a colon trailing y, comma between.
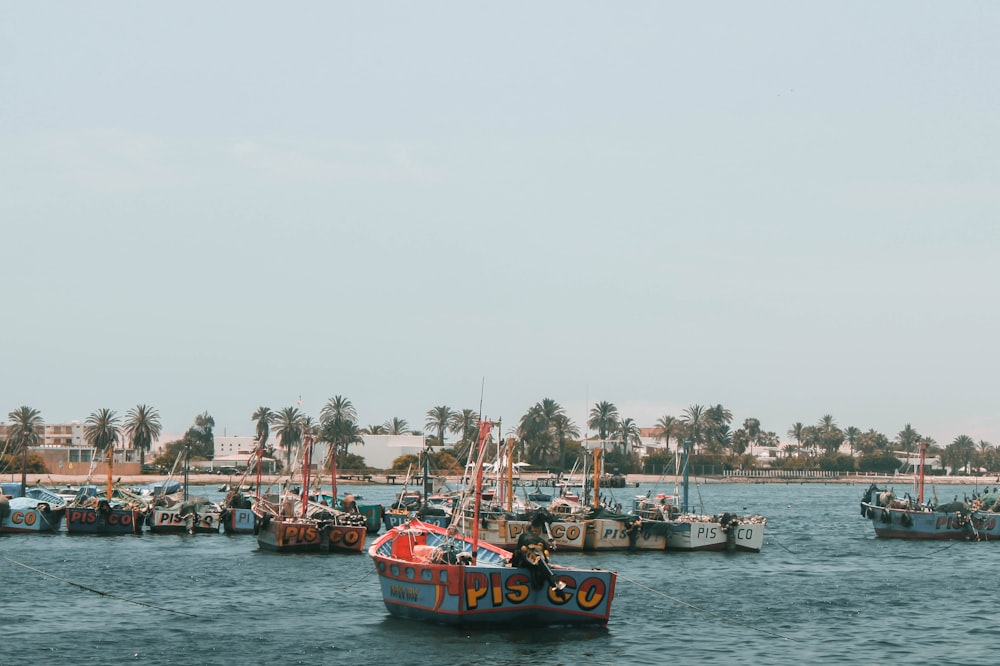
x: 484, y: 433
x: 597, y: 476
x: 923, y: 453
x: 111, y: 459
x: 333, y: 474
x: 306, y: 468
x: 187, y: 469
x: 687, y: 454
x: 260, y: 454
x: 509, y: 481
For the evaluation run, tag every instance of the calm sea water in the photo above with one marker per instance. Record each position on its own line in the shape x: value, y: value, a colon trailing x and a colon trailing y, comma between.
x: 823, y: 589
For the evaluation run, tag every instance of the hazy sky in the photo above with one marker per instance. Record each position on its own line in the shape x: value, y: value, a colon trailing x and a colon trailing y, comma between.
x: 788, y: 208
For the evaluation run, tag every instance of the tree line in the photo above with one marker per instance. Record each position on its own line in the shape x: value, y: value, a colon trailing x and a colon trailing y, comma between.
x: 544, y: 437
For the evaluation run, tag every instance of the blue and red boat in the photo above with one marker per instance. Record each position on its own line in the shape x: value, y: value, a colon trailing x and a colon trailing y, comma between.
x: 975, y: 519
x: 433, y: 573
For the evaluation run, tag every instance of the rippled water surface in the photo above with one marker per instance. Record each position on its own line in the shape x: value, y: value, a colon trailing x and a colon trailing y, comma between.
x: 823, y: 589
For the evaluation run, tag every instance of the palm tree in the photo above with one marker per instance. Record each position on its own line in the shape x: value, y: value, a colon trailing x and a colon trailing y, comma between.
x: 339, y: 425
x: 696, y: 422
x: 717, y: 431
x: 564, y: 428
x: 960, y: 452
x: 397, y: 426
x: 465, y: 424
x: 288, y: 427
x: 23, y: 433
x: 798, y: 433
x: 338, y: 408
x: 908, y: 438
x: 851, y: 435
x: 667, y: 427
x: 830, y: 436
x: 630, y: 435
x: 142, y: 426
x: 102, y: 430
x: 603, y: 419
x: 535, y: 436
x: 753, y: 431
x: 375, y: 429
x: 264, y: 418
x: 438, y: 419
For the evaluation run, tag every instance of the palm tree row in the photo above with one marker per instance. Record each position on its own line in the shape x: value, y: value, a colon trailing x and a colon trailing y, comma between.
x: 102, y: 429
x: 543, y: 434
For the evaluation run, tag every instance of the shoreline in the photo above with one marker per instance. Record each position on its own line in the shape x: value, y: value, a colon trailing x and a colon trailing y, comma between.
x: 51, y: 480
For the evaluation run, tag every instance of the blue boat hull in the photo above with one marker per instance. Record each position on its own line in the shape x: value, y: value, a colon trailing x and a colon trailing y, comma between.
x: 88, y: 520
x: 892, y: 523
x: 488, y: 593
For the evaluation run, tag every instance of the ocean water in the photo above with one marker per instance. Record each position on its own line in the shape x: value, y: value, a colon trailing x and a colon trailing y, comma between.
x: 823, y: 590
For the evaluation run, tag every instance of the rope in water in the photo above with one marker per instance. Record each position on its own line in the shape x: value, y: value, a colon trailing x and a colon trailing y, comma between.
x: 724, y: 618
x: 99, y: 592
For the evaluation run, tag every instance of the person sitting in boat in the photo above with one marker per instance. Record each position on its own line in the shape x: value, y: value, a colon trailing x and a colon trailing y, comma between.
x: 532, y: 553
x: 348, y: 505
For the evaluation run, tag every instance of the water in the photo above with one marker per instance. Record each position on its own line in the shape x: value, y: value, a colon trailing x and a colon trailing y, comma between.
x: 822, y: 580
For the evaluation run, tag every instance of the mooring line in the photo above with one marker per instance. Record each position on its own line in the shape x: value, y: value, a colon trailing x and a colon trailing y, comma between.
x: 724, y: 618
x: 99, y: 592
x: 778, y: 543
x: 370, y: 572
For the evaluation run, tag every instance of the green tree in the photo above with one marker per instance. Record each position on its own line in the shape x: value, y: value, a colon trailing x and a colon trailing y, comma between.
x: 264, y: 419
x: 668, y: 427
x: 958, y: 455
x: 25, y: 424
x: 142, y: 426
x: 438, y: 420
x: 695, y: 422
x: 200, y: 438
x: 397, y: 426
x: 564, y: 429
x: 288, y: 428
x: 717, y: 434
x: 465, y: 424
x: 908, y: 438
x: 603, y: 419
x: 339, y: 425
x: 852, y: 435
x: 797, y: 432
x: 102, y: 430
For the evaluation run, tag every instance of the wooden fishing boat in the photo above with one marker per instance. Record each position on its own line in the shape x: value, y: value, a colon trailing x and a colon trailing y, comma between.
x: 182, y: 513
x: 124, y: 513
x: 36, y: 510
x: 179, y: 515
x: 236, y: 515
x: 292, y: 523
x: 291, y: 526
x: 892, y: 517
x: 371, y: 512
x: 688, y: 531
x: 437, y: 574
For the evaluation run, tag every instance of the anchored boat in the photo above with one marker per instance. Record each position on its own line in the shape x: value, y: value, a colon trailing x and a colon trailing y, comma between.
x: 433, y: 573
x: 893, y: 517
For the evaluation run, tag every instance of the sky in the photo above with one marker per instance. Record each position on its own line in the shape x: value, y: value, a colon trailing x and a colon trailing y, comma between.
x: 790, y: 209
